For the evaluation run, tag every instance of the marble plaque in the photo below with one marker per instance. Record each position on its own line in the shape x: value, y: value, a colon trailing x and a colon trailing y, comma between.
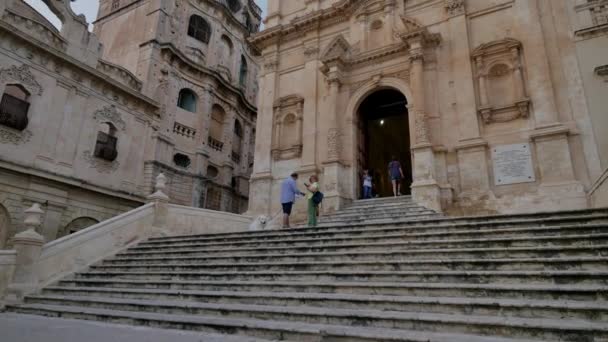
x: 512, y: 164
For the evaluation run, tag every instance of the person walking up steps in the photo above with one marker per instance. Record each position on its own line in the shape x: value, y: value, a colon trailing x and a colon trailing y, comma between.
x: 313, y: 200
x: 367, y: 185
x: 289, y: 190
x: 396, y: 174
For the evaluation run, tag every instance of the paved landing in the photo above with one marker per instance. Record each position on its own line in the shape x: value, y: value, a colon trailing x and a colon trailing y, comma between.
x: 26, y: 328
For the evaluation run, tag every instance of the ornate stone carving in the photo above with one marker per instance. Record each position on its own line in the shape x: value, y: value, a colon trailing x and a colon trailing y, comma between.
x: 110, y: 114
x: 101, y: 165
x: 22, y: 76
x: 334, y: 148
x: 501, y: 89
x: 287, y: 137
x: 13, y: 136
x: 421, y: 129
x: 454, y: 7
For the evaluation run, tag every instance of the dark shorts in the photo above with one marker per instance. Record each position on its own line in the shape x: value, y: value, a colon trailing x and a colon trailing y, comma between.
x: 287, y: 208
x: 396, y: 178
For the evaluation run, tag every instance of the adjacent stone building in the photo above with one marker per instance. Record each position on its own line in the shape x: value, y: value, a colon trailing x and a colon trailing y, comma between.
x: 193, y: 57
x: 86, y: 126
x: 490, y: 106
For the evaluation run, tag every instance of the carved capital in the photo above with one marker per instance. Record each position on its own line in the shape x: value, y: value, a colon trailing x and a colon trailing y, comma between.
x: 13, y: 136
x: 454, y: 7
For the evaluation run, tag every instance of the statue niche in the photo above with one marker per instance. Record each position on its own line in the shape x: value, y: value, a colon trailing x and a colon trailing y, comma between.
x: 500, y: 85
x: 287, y: 135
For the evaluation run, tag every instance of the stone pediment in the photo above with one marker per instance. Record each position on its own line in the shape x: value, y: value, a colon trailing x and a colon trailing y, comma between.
x: 339, y: 48
x: 496, y: 46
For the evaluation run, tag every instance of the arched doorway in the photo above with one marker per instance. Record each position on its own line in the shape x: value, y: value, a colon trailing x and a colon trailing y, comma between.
x: 383, y: 133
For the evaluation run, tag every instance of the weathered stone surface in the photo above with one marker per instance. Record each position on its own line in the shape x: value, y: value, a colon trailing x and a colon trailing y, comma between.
x: 383, y: 269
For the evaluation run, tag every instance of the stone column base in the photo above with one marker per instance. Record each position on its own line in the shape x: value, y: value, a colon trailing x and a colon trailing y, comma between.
x: 260, y: 196
x: 569, y: 195
x: 428, y: 194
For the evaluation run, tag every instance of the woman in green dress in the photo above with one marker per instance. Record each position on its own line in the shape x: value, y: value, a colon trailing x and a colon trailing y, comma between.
x: 313, y: 208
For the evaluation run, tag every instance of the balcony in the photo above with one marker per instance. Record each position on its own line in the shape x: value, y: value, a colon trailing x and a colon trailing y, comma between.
x: 215, y: 144
x: 236, y: 157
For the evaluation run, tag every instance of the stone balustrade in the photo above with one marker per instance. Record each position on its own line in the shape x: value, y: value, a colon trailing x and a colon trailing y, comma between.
x: 33, y: 264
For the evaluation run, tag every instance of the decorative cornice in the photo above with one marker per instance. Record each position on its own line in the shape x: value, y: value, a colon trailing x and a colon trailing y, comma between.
x: 175, y: 52
x: 50, y: 51
x: 338, y: 12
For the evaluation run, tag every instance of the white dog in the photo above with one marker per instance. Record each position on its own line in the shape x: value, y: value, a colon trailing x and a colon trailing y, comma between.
x: 259, y: 223
x: 264, y: 222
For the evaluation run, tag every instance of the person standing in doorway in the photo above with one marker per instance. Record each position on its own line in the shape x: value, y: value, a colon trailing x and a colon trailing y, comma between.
x: 395, y: 172
x: 313, y: 208
x: 367, y: 185
x: 289, y: 190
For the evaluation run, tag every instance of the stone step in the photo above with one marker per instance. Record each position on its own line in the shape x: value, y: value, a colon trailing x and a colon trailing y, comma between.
x: 535, y: 228
x: 546, y: 328
x: 403, y: 235
x: 494, y: 290
x: 559, y: 263
x: 589, y: 310
x: 362, y: 245
x: 586, y: 277
x: 443, y: 254
x: 275, y: 330
x: 565, y: 218
x: 404, y: 209
x: 354, y: 218
x: 367, y: 229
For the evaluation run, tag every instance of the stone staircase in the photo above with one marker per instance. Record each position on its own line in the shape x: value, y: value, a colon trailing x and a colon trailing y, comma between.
x: 379, y: 210
x: 380, y: 270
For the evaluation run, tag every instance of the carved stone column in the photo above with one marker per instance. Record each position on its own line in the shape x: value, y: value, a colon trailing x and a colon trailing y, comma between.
x: 332, y: 166
x: 425, y: 189
x: 261, y: 179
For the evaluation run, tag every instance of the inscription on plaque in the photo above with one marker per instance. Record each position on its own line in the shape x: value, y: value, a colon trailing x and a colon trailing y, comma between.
x: 512, y: 164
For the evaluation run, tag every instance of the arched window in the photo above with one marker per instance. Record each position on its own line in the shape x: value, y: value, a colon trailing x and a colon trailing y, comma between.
x: 226, y: 51
x: 237, y: 142
x: 234, y: 5
x: 199, y: 29
x: 14, y: 107
x: 77, y: 225
x: 105, y: 147
x: 216, y: 130
x: 187, y: 100
x: 243, y: 73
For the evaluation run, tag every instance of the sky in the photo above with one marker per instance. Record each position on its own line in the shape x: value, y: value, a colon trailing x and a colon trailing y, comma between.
x: 89, y: 9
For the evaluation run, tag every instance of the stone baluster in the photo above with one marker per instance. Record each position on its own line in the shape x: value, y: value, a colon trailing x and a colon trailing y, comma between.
x: 28, y: 245
x: 161, y: 202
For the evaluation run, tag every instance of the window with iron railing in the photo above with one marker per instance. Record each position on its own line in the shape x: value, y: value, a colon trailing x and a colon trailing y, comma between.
x: 105, y: 148
x: 236, y: 157
x: 13, y: 110
x: 215, y: 144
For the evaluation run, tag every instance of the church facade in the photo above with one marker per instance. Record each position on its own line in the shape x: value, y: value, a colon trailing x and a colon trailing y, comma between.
x: 88, y: 119
x: 489, y: 106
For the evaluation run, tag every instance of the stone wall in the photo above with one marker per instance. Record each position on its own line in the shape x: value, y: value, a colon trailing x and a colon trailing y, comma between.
x: 71, y: 95
x: 478, y: 77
